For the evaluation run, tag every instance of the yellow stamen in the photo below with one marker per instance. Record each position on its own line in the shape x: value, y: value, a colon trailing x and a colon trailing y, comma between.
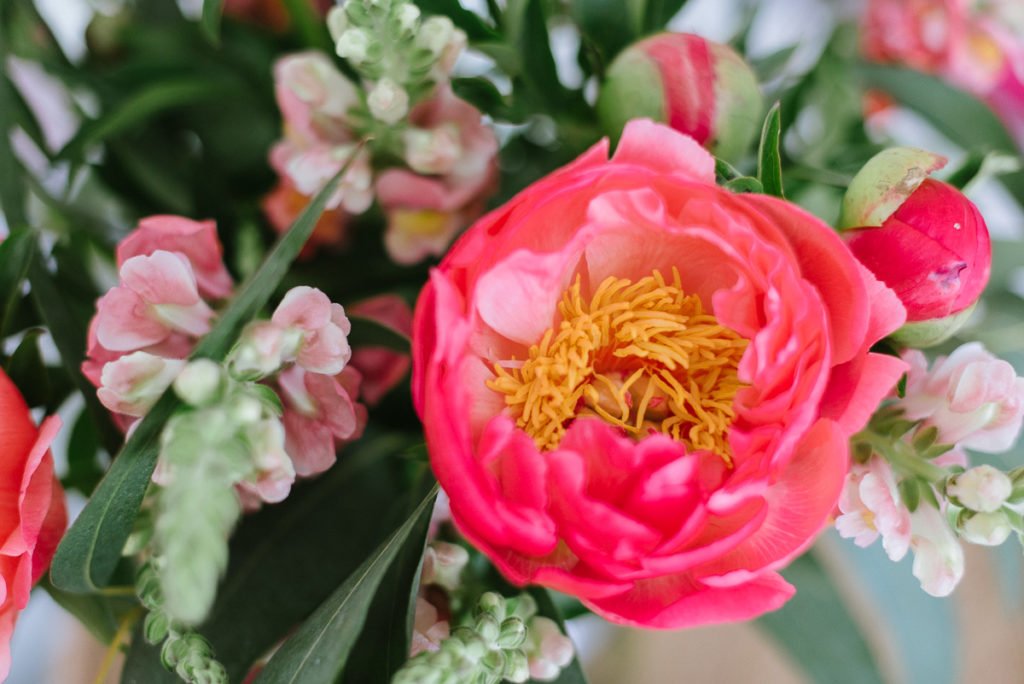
x: 642, y: 356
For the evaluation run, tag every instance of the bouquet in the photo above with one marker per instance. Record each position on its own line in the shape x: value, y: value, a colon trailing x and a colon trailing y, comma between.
x: 379, y: 339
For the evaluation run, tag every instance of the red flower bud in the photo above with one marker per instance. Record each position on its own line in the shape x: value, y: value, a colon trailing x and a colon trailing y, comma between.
x: 696, y: 86
x: 920, y: 236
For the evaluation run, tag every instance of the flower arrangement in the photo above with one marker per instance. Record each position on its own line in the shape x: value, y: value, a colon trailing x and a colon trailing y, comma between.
x: 384, y: 346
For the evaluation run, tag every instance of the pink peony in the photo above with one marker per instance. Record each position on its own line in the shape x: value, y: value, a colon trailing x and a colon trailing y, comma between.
x: 639, y: 388
x: 34, y: 514
x: 453, y: 157
x: 972, y: 397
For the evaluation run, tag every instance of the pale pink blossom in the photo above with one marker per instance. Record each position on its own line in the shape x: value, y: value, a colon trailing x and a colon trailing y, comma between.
x: 548, y: 650
x: 274, y: 474
x: 871, y: 507
x: 133, y: 383
x: 157, y: 297
x: 320, y: 412
x: 938, y: 556
x: 262, y: 349
x: 982, y: 488
x: 197, y: 241
x: 382, y: 368
x: 428, y: 629
x: 448, y: 136
x: 315, y: 98
x: 443, y: 564
x: 324, y: 347
x: 972, y: 397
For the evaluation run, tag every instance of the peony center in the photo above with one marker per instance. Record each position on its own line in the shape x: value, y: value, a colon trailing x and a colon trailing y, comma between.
x: 645, y: 357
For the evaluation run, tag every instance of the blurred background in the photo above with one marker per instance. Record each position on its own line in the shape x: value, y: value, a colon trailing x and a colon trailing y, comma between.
x: 971, y: 637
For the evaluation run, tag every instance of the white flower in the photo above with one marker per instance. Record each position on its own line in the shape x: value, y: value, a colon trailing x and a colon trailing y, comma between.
x: 352, y: 45
x: 982, y: 488
x: 986, y: 529
x: 871, y: 506
x: 938, y: 556
x: 199, y: 382
x: 388, y: 101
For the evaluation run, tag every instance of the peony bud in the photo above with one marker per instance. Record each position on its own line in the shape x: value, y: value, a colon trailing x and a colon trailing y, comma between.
x: 986, y: 529
x: 982, y: 488
x: 388, y: 101
x: 922, y: 237
x: 696, y: 86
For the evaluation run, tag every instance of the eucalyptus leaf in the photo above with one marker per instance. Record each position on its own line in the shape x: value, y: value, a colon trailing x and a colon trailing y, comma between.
x: 816, y: 629
x: 319, y: 649
x: 92, y: 546
x: 769, y: 155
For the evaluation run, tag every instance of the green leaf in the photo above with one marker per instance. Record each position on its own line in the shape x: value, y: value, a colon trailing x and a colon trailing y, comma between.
x: 769, y: 154
x: 101, y: 615
x: 609, y: 25
x: 573, y: 673
x: 210, y: 20
x: 90, y: 550
x: 745, y: 184
x: 472, y: 23
x: 817, y: 630
x: 309, y: 24
x: 141, y: 106
x: 910, y: 493
x: 12, y: 187
x: 383, y: 645
x: 659, y: 12
x: 16, y: 254
x: 318, y: 651
x: 27, y: 370
x: 528, y: 32
x: 84, y: 471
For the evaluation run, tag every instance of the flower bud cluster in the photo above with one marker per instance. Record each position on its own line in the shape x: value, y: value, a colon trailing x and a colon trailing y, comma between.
x: 910, y: 483
x: 402, y: 102
x: 184, y: 652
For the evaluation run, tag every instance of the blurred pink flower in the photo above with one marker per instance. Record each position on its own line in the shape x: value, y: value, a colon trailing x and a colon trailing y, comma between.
x: 132, y: 384
x: 382, y: 368
x: 284, y: 204
x: 429, y: 630
x: 938, y: 556
x: 973, y: 398
x: 452, y: 155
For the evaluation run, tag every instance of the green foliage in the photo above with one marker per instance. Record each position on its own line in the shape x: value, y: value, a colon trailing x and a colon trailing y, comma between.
x: 769, y: 156
x: 210, y: 21
x: 319, y: 649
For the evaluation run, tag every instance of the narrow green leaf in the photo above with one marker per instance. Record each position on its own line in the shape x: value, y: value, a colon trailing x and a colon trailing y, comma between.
x: 816, y: 628
x: 318, y: 651
x: 609, y: 25
x: 472, y: 23
x: 90, y: 550
x: 769, y: 154
x: 659, y: 12
x: 12, y: 187
x: 16, y: 254
x: 138, y: 107
x: 27, y: 370
x: 210, y: 20
x: 84, y: 471
x: 573, y: 673
x: 910, y: 492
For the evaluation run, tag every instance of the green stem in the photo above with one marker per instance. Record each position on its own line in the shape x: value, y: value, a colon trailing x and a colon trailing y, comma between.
x: 902, y: 458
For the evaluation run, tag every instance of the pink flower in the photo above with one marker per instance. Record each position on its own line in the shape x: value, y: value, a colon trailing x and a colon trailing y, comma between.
x: 694, y: 85
x: 274, y: 470
x: 195, y: 240
x: 639, y: 388
x: 871, y: 506
x: 324, y: 327
x: 453, y: 157
x: 382, y: 368
x: 972, y: 397
x: 429, y: 630
x: 314, y: 98
x: 320, y: 412
x: 938, y: 556
x: 34, y: 514
x: 157, y: 298
x: 548, y: 650
x: 133, y: 383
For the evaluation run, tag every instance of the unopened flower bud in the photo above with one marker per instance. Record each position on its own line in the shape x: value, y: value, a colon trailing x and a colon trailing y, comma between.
x: 517, y: 667
x: 245, y: 410
x: 388, y: 101
x: 548, y: 649
x: 488, y: 627
x: 986, y: 529
x: 921, y: 237
x: 694, y: 85
x: 262, y: 349
x: 982, y: 488
x: 352, y: 45
x: 447, y: 563
x: 155, y: 627
x: 337, y: 22
x: 200, y: 382
x: 408, y: 14
x: 513, y: 633
x: 435, y: 33
x: 493, y: 604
